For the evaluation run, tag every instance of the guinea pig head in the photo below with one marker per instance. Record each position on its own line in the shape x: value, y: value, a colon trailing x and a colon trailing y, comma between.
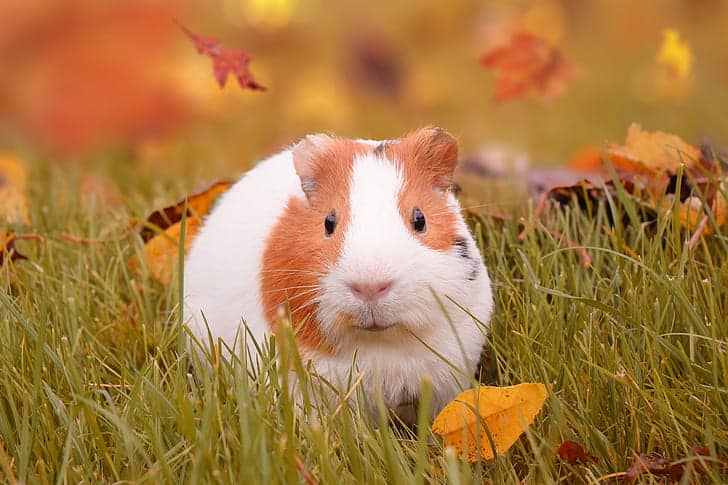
x: 375, y: 238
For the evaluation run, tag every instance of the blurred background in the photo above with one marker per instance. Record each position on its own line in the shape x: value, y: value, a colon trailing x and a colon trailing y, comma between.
x: 80, y: 79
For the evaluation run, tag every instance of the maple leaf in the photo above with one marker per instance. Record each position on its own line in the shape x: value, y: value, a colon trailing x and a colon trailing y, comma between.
x: 505, y: 412
x: 573, y: 452
x: 528, y: 63
x: 225, y: 61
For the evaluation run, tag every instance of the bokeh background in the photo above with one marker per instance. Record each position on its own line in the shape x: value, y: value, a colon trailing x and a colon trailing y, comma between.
x: 82, y: 79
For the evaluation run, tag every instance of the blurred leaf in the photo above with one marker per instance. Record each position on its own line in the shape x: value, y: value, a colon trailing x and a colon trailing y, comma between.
x: 573, y: 452
x: 675, y: 54
x: 225, y: 61
x: 13, y: 183
x: 529, y: 63
x: 656, y: 465
x: 8, y: 250
x: 79, y: 74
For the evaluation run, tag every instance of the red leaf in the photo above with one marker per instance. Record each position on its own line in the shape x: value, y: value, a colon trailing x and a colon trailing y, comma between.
x: 572, y: 452
x: 225, y: 61
x: 529, y: 63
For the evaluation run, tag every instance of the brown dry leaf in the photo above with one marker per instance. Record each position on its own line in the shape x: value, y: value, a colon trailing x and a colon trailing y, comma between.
x: 505, y: 411
x: 655, y: 151
x: 13, y: 183
x: 161, y: 248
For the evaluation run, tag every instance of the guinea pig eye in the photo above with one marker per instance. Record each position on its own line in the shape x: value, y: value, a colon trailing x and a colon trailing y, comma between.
x: 330, y: 223
x: 418, y: 220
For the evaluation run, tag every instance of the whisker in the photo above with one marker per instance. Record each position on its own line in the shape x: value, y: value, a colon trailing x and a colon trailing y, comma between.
x: 294, y: 272
x: 290, y: 288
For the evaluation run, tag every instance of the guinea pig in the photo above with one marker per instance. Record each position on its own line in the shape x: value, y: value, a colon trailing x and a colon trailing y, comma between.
x: 364, y: 243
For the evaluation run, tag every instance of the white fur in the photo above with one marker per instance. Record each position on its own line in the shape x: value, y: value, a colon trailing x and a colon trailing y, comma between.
x: 222, y: 280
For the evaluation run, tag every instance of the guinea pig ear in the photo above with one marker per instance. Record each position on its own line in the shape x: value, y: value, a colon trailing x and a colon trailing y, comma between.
x: 436, y: 154
x: 306, y: 154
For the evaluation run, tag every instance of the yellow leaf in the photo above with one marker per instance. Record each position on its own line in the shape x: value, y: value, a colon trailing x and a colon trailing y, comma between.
x: 675, y: 54
x: 161, y: 251
x: 505, y: 411
x: 13, y: 182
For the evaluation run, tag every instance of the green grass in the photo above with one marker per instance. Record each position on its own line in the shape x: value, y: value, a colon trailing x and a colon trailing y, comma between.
x: 92, y: 389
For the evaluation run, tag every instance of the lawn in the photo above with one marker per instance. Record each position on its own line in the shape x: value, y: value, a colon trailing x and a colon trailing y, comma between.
x: 633, y: 351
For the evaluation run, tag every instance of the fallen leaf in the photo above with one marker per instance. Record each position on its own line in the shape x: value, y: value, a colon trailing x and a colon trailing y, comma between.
x: 657, y: 465
x: 161, y: 252
x: 529, y: 63
x: 653, y: 464
x: 13, y: 183
x: 649, y: 162
x: 8, y: 251
x: 505, y: 411
x: 199, y: 204
x: 573, y: 452
x: 162, y: 230
x: 675, y: 54
x: 654, y: 151
x: 225, y: 61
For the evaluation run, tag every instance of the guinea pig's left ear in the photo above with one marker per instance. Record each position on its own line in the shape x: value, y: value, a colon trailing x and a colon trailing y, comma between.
x: 436, y: 153
x: 306, y: 155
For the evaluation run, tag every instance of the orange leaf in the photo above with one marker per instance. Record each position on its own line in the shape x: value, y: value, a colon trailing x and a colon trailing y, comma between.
x: 529, y: 63
x: 198, y: 204
x: 505, y: 411
x: 161, y: 252
x: 161, y: 248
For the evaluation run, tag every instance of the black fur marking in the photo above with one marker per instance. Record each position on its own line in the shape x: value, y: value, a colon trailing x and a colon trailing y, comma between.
x: 473, y: 275
x: 379, y: 149
x: 463, y: 250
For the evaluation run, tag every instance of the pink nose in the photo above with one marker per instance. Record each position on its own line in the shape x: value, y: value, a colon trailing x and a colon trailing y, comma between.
x: 370, y: 291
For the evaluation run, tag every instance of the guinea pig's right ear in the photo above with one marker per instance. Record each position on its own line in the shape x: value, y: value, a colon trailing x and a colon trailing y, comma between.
x: 306, y: 155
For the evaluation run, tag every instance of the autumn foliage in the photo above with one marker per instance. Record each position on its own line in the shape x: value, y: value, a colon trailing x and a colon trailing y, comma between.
x: 225, y: 61
x: 529, y: 63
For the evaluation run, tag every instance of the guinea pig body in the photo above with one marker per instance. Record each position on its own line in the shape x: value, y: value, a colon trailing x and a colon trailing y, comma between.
x: 366, y: 246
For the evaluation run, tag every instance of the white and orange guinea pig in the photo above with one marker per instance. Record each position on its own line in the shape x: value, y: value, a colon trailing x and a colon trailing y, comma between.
x: 364, y: 243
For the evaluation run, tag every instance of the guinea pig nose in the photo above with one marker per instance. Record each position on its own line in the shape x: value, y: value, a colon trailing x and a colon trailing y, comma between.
x: 370, y: 290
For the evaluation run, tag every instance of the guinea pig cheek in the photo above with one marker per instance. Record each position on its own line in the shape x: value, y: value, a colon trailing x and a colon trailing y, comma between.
x: 297, y: 260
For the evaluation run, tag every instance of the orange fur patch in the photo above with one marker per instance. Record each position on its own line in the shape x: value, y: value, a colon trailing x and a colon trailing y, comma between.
x: 427, y: 159
x: 298, y: 253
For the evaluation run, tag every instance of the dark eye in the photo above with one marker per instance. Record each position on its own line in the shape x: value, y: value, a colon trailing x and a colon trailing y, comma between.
x: 330, y: 223
x: 418, y: 220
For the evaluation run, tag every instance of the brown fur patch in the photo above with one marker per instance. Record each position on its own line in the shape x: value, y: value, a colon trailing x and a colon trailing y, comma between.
x: 427, y: 158
x: 298, y: 252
